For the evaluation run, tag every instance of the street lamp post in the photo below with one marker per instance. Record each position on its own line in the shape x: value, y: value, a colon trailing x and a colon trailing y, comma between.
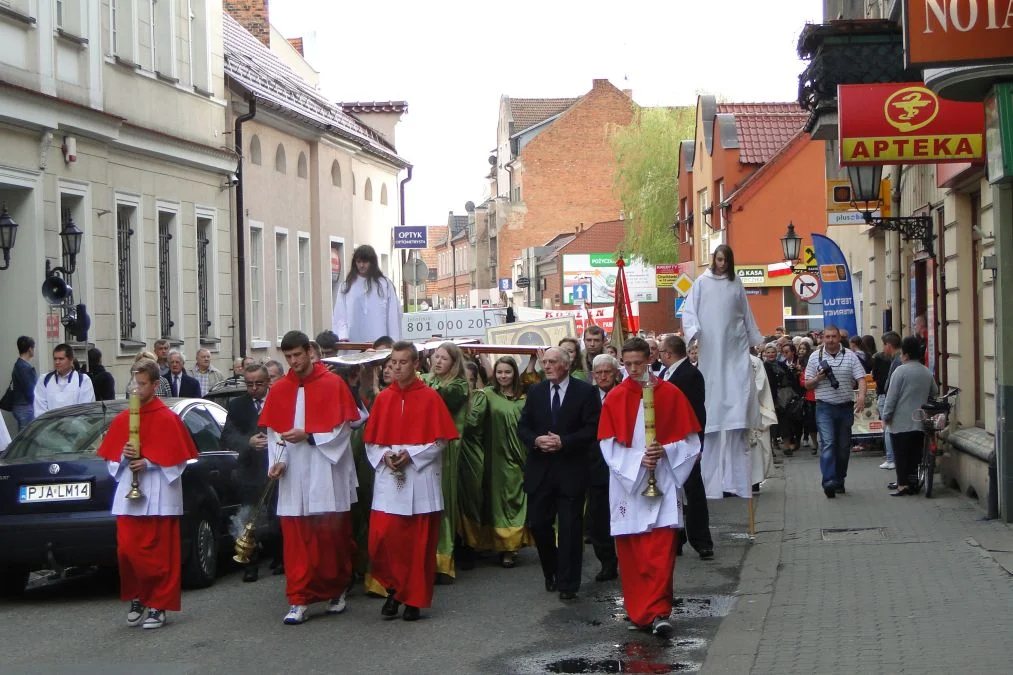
x: 866, y: 184
x: 8, y: 233
x: 791, y: 245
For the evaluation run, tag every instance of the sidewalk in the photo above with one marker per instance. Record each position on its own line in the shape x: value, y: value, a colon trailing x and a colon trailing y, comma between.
x: 868, y: 583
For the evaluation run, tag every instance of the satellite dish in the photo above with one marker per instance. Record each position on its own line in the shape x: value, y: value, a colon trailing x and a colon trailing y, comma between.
x: 492, y: 160
x: 469, y: 206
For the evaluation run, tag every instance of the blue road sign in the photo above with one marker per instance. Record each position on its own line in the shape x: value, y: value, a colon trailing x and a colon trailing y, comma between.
x: 678, y: 307
x: 580, y: 293
x: 506, y: 284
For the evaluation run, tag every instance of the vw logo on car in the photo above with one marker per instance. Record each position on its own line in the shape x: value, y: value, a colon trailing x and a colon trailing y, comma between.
x: 54, y: 469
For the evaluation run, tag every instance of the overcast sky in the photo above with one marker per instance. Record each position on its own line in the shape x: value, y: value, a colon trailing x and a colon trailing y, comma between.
x: 452, y: 60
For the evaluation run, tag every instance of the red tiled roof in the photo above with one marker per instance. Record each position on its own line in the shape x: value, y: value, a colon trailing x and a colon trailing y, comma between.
x: 527, y: 112
x: 763, y: 135
x: 758, y: 108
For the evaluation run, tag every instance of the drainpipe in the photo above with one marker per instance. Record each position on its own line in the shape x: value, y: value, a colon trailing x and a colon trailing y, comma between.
x: 404, y: 260
x: 896, y: 289
x: 240, y: 221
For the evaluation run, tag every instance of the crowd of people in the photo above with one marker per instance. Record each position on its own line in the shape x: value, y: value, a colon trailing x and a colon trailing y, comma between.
x: 402, y: 469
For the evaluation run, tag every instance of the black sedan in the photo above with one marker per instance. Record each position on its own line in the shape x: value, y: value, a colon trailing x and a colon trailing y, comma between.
x: 56, y: 494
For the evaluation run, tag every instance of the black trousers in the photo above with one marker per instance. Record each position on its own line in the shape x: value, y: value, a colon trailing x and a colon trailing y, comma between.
x: 697, y: 530
x: 547, y: 506
x: 599, y: 525
x: 907, y: 454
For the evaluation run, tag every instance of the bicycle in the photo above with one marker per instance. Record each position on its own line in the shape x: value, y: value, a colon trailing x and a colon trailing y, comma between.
x: 934, y: 417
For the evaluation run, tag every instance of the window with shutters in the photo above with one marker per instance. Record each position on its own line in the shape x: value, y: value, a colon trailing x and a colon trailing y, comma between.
x: 125, y: 233
x: 207, y: 277
x: 256, y: 281
x: 282, y: 321
x: 168, y: 273
x: 305, y: 292
x: 200, y: 47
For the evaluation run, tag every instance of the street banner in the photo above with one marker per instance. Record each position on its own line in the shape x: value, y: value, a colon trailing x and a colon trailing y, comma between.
x: 599, y: 316
x: 411, y: 236
x: 598, y: 272
x: 906, y: 123
x: 450, y: 323
x: 838, y: 295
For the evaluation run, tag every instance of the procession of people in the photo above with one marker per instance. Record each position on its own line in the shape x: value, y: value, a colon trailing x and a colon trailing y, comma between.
x: 399, y: 469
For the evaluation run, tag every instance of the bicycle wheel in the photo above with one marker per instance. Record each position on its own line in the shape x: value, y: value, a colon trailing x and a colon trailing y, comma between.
x: 923, y: 477
x: 930, y: 473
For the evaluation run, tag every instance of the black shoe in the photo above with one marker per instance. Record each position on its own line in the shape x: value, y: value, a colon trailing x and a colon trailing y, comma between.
x: 444, y: 579
x: 550, y: 584
x: 608, y: 572
x: 707, y: 554
x: 840, y: 489
x: 678, y: 552
x: 391, y: 606
x: 891, y: 486
x: 411, y: 613
x: 251, y: 574
x: 279, y: 570
x: 756, y: 487
x: 829, y: 491
x: 567, y: 595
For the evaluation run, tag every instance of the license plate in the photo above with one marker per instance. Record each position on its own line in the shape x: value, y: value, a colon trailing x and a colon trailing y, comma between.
x: 54, y: 492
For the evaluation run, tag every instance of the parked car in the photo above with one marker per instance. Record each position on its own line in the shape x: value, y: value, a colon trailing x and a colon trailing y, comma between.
x: 225, y: 391
x: 56, y: 494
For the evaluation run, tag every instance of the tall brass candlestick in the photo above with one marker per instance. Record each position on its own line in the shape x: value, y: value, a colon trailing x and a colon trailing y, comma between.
x: 652, y: 484
x: 135, y: 438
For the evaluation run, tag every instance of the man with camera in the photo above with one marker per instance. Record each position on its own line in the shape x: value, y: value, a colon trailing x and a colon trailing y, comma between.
x: 835, y: 373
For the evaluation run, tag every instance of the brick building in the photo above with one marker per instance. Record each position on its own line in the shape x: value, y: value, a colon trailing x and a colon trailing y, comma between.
x: 748, y: 172
x: 453, y: 277
x: 430, y: 257
x: 553, y: 170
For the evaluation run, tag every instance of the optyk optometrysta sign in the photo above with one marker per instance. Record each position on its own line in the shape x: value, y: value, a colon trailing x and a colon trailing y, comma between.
x: 410, y: 237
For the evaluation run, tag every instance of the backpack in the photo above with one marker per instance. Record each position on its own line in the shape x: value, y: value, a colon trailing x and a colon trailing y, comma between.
x: 50, y: 374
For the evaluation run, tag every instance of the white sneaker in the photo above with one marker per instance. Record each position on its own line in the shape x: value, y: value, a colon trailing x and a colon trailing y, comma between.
x: 336, y: 606
x: 296, y: 615
x: 155, y: 619
x: 135, y: 615
x: 888, y: 465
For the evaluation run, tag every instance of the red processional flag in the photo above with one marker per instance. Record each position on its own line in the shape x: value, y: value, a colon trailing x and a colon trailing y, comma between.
x: 624, y: 323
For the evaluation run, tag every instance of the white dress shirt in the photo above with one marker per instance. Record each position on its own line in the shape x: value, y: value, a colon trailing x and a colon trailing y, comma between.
x: 668, y: 372
x: 562, y: 391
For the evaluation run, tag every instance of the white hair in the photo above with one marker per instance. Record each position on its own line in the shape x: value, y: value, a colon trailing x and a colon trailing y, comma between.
x: 564, y: 356
x: 605, y: 359
x: 176, y: 351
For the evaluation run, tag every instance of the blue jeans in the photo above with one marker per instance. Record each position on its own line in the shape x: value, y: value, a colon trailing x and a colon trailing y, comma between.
x: 887, y: 440
x: 23, y: 414
x: 833, y: 422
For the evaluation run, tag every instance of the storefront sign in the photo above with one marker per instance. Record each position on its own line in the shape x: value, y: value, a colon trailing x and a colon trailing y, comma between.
x: 906, y: 123
x: 599, y: 272
x: 775, y: 274
x: 838, y: 295
x: 999, y: 133
x: 941, y: 33
x: 412, y: 237
x: 841, y: 208
x: 665, y: 275
x: 449, y: 323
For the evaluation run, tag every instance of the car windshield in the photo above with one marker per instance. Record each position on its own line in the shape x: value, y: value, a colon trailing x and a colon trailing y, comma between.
x: 64, y: 437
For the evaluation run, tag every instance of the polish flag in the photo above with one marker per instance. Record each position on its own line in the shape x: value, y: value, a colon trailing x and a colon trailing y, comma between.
x: 778, y: 269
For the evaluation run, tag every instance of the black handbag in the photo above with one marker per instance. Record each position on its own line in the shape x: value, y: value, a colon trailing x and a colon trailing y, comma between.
x: 5, y: 402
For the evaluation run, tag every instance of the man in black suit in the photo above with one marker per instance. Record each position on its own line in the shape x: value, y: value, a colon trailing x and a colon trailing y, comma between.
x: 559, y: 425
x: 243, y: 436
x: 181, y: 384
x: 605, y: 371
x: 683, y: 374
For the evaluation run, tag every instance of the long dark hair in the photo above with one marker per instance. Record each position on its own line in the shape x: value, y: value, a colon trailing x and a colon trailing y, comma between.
x: 515, y: 383
x: 365, y: 253
x: 729, y: 258
x: 576, y: 362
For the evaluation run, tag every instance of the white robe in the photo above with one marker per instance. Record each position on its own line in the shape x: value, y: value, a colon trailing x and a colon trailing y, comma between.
x: 631, y: 512
x: 162, y: 487
x: 318, y: 478
x: 736, y: 460
x: 363, y: 317
x: 419, y: 491
x: 5, y: 435
x: 717, y: 313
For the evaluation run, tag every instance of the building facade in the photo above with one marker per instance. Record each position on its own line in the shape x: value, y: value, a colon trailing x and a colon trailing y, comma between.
x: 113, y: 114
x: 454, y: 264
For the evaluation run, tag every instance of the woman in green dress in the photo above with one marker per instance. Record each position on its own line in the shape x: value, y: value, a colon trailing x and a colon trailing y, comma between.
x: 506, y: 503
x: 572, y: 346
x: 471, y: 472
x: 447, y: 377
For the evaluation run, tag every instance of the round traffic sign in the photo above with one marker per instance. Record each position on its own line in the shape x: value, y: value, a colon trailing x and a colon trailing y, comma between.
x: 806, y: 286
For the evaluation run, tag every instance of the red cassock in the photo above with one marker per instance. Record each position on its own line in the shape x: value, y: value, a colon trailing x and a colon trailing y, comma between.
x: 647, y: 559
x: 402, y: 549
x: 147, y: 547
x: 318, y: 548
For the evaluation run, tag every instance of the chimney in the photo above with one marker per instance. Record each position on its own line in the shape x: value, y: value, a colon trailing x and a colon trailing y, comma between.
x: 253, y: 15
x: 599, y: 84
x: 297, y: 45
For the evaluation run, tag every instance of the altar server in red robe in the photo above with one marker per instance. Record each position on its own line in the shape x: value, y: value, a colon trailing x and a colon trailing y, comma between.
x: 646, y: 528
x: 308, y: 416
x: 406, y: 434
x: 147, y: 529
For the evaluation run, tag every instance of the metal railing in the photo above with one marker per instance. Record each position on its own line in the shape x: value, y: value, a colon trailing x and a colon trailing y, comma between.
x: 123, y: 254
x: 203, y: 291
x: 165, y: 279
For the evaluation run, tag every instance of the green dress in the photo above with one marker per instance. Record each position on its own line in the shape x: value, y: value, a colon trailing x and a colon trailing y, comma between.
x: 506, y: 505
x: 366, y: 474
x: 471, y: 472
x: 455, y: 395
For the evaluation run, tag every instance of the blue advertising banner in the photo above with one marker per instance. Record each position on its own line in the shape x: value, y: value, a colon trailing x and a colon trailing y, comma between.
x: 411, y: 236
x: 838, y: 295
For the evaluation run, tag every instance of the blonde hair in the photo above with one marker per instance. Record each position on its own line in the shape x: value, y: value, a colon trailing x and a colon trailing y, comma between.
x: 145, y: 355
x: 457, y: 367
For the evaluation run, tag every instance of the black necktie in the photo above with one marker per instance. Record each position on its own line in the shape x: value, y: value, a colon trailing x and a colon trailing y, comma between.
x: 256, y: 404
x: 175, y: 385
x: 555, y: 405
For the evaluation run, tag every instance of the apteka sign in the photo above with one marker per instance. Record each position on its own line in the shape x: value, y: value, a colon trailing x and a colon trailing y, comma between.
x: 906, y: 123
x: 411, y: 237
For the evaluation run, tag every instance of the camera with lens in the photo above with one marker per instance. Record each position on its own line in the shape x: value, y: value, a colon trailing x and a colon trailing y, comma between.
x: 829, y: 373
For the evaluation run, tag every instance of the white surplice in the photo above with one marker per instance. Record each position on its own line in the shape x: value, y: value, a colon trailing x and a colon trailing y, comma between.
x: 361, y: 316
x: 162, y: 487
x: 419, y: 490
x: 717, y: 313
x: 318, y: 478
x: 631, y: 512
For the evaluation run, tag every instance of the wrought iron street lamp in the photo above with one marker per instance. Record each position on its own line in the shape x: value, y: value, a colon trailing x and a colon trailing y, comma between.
x: 866, y: 182
x: 791, y: 245
x: 71, y: 237
x: 8, y: 233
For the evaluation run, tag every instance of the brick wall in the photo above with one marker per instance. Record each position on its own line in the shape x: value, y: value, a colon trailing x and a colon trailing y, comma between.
x: 566, y: 174
x: 430, y: 256
x: 253, y: 15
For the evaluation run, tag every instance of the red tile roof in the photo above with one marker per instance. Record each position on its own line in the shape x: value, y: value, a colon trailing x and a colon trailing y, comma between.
x: 764, y: 128
x: 527, y: 112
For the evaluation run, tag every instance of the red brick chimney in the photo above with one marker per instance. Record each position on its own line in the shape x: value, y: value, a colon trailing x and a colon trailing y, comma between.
x: 296, y: 45
x: 253, y: 15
